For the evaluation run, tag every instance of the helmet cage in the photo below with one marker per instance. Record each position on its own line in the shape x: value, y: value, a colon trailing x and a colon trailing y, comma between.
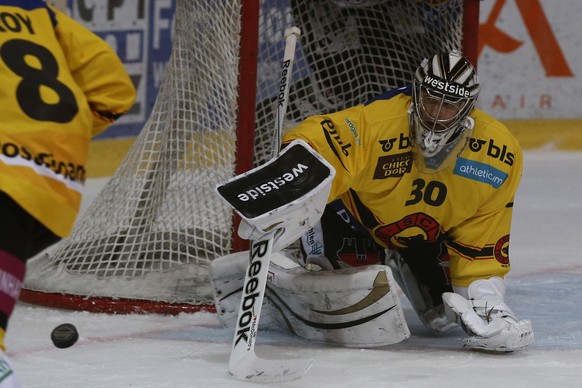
x: 439, y: 112
x: 433, y: 152
x: 444, y: 93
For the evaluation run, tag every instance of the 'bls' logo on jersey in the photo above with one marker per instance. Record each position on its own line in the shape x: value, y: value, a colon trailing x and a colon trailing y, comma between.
x: 493, y: 150
x: 388, y: 145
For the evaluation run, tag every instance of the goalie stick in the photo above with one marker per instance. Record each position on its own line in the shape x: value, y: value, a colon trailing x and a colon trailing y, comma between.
x: 244, y: 364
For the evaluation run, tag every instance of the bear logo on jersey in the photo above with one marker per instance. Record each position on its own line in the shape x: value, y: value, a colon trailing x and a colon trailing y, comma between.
x: 501, y: 250
x: 409, y: 231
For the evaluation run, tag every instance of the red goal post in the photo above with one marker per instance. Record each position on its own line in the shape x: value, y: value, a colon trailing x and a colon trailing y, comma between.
x: 144, y: 244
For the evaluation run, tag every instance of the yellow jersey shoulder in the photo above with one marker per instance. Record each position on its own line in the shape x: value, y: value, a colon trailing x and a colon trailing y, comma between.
x: 384, y: 125
x: 389, y: 109
x: 492, y: 141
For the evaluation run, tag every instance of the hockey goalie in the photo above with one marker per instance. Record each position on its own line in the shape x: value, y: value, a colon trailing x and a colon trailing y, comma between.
x: 414, y: 194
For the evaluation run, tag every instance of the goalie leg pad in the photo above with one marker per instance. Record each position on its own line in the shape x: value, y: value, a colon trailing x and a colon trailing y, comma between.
x: 354, y: 307
x: 227, y: 275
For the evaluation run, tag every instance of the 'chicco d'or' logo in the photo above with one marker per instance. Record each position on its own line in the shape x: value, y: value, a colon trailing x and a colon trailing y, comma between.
x: 393, y: 166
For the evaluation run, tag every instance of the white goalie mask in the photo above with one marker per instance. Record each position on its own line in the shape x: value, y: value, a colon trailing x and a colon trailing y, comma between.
x: 444, y: 93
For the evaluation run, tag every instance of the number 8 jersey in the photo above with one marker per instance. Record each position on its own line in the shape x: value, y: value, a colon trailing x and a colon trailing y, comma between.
x: 61, y: 85
x: 381, y: 192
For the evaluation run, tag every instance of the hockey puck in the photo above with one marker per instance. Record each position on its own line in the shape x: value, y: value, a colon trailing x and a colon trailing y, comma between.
x: 65, y: 335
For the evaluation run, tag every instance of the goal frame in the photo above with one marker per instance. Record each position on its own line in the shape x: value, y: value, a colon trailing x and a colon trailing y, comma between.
x: 248, y: 81
x: 248, y: 55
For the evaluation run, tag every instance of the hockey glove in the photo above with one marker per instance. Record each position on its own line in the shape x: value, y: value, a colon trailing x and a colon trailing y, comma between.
x: 487, y: 319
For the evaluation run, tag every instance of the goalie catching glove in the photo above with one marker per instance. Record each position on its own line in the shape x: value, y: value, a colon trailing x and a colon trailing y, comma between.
x: 486, y: 318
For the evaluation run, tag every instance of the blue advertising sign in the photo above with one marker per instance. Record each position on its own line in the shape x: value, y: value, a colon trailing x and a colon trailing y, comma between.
x: 140, y: 31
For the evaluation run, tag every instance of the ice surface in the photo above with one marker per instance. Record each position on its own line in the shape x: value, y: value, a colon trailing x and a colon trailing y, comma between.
x: 545, y: 285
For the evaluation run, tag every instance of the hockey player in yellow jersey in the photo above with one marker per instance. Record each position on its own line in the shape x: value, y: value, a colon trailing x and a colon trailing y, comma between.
x: 61, y: 85
x: 424, y: 183
x: 418, y: 188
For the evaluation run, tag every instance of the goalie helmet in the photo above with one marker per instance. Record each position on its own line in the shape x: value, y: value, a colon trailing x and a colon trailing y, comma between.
x: 445, y: 91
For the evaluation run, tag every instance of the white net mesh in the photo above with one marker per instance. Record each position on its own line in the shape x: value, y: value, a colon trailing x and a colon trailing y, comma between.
x: 157, y: 223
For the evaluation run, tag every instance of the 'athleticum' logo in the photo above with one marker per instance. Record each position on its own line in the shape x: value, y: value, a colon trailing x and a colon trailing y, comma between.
x: 480, y: 172
x: 247, y: 322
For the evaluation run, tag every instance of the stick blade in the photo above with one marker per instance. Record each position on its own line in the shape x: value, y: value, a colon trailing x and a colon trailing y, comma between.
x: 268, y: 371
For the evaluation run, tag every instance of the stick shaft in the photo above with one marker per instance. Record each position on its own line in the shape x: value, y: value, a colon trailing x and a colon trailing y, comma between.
x: 291, y: 36
x: 243, y: 363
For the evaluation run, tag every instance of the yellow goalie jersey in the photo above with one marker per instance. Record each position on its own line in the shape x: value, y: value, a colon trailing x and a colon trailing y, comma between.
x: 470, y: 203
x: 61, y: 85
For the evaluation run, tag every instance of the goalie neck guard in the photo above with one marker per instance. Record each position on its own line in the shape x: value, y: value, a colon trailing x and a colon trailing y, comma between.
x: 445, y: 90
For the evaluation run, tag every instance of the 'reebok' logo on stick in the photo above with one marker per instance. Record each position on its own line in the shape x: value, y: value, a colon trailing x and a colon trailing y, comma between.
x: 247, y: 321
x: 284, y: 82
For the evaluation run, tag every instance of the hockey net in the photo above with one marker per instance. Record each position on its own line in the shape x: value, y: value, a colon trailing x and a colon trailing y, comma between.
x: 145, y: 242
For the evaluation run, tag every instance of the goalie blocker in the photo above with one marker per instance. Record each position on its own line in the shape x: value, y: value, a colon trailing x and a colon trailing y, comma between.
x: 287, y: 194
